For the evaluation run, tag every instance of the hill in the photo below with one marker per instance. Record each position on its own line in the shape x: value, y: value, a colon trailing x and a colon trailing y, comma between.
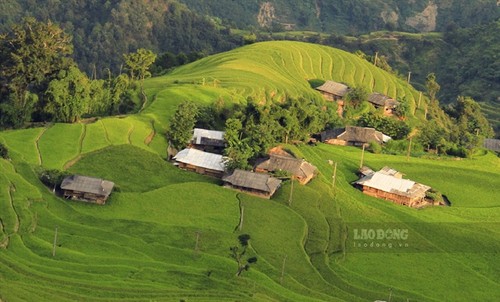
x: 274, y: 69
x: 165, y: 234
x: 348, y: 16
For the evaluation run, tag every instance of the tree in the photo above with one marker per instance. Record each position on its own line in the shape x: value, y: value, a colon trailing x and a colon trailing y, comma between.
x: 180, y: 127
x: 432, y: 86
x: 31, y: 54
x: 238, y: 149
x: 138, y: 63
x: 237, y: 254
x: 69, y: 96
x: 402, y: 109
x: 356, y: 96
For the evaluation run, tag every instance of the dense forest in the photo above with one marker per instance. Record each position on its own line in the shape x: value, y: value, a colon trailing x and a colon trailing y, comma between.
x: 463, y: 55
x: 349, y: 16
x: 104, y: 30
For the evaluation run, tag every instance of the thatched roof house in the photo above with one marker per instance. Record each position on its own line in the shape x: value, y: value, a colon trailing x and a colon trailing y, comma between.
x: 258, y: 184
x: 208, y: 140
x: 353, y: 136
x: 200, y: 162
x: 382, y: 101
x: 299, y: 168
x: 87, y: 189
x: 387, y: 185
x: 492, y: 144
x: 333, y: 91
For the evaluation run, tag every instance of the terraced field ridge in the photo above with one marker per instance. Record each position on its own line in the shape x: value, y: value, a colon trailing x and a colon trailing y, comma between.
x: 165, y: 234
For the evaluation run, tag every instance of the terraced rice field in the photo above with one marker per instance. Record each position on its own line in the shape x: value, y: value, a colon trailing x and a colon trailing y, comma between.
x: 165, y: 234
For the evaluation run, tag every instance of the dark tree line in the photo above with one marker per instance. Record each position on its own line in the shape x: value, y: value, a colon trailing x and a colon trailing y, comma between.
x: 104, y: 30
x: 39, y: 81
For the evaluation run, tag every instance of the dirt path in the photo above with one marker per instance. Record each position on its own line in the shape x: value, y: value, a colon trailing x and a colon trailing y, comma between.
x: 38, y: 147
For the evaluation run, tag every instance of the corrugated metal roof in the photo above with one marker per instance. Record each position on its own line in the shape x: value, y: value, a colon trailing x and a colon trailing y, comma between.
x: 334, y: 88
x: 386, y: 183
x: 207, y: 135
x: 88, y: 185
x: 201, y: 159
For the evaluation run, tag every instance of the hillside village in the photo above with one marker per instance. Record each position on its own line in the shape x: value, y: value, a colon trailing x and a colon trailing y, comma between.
x: 244, y: 176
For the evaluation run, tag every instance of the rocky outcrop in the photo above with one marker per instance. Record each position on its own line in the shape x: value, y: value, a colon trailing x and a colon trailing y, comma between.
x: 426, y: 20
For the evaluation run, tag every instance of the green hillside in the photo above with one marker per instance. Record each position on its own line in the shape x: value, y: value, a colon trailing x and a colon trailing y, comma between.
x: 271, y: 70
x: 165, y: 234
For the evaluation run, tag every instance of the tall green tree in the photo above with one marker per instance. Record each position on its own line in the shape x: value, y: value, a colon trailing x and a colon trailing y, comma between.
x: 238, y: 148
x: 180, y: 128
x: 432, y: 86
x: 31, y: 54
x: 138, y: 63
x: 69, y: 96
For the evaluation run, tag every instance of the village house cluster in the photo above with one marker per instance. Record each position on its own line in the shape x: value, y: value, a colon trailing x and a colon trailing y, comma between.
x: 336, y: 92
x: 204, y: 156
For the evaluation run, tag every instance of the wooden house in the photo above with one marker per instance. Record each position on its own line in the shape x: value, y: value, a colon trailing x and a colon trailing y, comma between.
x: 88, y: 189
x: 257, y: 184
x: 201, y: 162
x: 353, y: 136
x: 388, y: 185
x: 333, y: 91
x: 298, y: 168
x: 208, y: 140
x: 379, y: 100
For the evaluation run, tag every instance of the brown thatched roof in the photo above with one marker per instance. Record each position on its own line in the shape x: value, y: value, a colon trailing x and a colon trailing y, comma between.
x: 492, y: 144
x: 381, y: 100
x: 334, y: 88
x: 297, y: 167
x: 355, y: 134
x: 251, y: 180
x: 87, y: 185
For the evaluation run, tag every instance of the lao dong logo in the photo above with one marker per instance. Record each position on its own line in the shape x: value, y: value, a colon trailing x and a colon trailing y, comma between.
x: 380, y: 238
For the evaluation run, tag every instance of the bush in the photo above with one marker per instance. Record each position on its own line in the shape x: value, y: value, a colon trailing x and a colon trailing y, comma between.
x: 4, y: 153
x: 52, y: 178
x: 434, y: 195
x: 316, y: 82
x: 374, y: 147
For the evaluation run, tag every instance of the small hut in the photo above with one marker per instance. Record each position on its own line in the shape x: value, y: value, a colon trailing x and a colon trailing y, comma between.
x: 353, y: 136
x: 298, y: 168
x: 206, y: 163
x: 379, y: 100
x: 333, y: 91
x: 388, y: 184
x: 88, y: 189
x: 258, y: 184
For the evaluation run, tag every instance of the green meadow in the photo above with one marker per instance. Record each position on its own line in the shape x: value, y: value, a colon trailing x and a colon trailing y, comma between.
x: 165, y: 234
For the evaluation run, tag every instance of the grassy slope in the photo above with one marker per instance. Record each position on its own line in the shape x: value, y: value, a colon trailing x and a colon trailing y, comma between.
x: 141, y: 245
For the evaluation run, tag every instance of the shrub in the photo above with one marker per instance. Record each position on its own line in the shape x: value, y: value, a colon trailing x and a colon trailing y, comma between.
x: 434, y: 195
x: 4, y: 153
x: 52, y: 178
x: 374, y: 147
x: 316, y: 82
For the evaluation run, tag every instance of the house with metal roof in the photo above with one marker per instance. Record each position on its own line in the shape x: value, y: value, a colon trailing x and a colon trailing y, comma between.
x: 389, y: 185
x: 258, y: 184
x: 88, y: 189
x: 353, y: 136
x: 298, y: 168
x: 208, y: 140
x: 379, y: 100
x: 200, y: 162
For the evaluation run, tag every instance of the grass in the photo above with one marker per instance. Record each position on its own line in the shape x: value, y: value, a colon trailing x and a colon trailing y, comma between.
x: 164, y: 234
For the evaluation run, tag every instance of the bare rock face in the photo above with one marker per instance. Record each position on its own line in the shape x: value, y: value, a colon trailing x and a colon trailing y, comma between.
x: 426, y: 20
x: 266, y: 14
x: 389, y: 16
